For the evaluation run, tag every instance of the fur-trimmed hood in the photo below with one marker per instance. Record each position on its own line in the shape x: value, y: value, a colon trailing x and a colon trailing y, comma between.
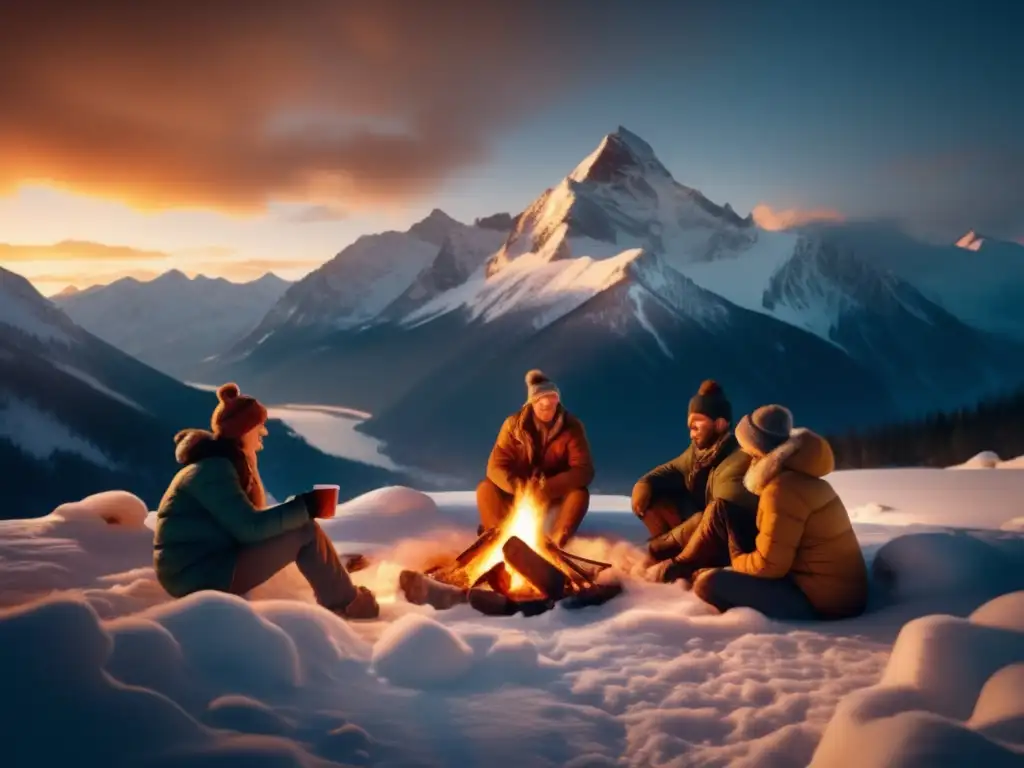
x: 193, y: 445
x: 804, y: 451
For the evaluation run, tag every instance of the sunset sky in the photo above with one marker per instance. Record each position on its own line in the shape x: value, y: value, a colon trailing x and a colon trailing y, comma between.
x: 232, y: 138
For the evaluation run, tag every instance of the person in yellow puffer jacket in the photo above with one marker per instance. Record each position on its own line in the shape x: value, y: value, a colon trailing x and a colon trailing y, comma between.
x: 805, y: 561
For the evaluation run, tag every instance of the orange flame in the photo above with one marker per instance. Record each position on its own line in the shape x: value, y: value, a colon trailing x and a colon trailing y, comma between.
x: 526, y: 521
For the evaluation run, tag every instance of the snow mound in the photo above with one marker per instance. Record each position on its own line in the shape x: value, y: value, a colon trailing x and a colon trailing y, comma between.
x: 418, y: 652
x: 999, y: 712
x: 990, y: 460
x: 983, y: 460
x: 54, y: 683
x: 1005, y: 612
x: 924, y: 564
x: 394, y: 500
x: 246, y: 715
x: 228, y: 644
x: 950, y: 694
x: 110, y: 507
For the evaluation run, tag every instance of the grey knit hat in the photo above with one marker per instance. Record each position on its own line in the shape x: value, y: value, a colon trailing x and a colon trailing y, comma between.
x: 538, y: 385
x: 765, y: 429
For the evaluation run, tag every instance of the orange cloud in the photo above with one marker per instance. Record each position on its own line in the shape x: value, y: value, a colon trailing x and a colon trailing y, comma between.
x: 768, y: 218
x: 226, y: 105
x: 75, y: 250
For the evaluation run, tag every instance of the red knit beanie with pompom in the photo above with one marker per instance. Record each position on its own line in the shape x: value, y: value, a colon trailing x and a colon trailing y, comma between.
x: 236, y: 413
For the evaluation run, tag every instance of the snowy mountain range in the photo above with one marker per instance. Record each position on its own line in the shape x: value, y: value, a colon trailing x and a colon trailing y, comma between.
x: 78, y: 416
x: 629, y: 288
x: 172, y: 322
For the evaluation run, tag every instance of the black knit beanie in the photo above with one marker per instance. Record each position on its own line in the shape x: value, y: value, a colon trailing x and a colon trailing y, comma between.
x: 711, y: 401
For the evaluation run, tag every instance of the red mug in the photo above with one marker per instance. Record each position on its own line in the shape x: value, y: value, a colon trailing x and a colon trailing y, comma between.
x: 326, y: 500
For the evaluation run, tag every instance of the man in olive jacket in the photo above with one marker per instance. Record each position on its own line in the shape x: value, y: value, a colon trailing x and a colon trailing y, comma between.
x: 672, y: 498
x: 542, y: 447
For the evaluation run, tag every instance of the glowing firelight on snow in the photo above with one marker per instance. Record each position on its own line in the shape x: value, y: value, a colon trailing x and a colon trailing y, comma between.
x: 526, y: 521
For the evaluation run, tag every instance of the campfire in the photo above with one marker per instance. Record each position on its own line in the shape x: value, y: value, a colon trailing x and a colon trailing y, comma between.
x: 513, y: 568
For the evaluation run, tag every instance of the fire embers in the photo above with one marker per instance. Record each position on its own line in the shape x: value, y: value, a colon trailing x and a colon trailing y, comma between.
x: 511, y: 569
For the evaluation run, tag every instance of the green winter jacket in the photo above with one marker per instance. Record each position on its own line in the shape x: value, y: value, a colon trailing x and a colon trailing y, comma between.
x: 723, y: 479
x: 204, y: 518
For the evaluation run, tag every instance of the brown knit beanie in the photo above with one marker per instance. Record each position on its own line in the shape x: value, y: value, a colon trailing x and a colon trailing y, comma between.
x: 711, y: 401
x: 235, y: 414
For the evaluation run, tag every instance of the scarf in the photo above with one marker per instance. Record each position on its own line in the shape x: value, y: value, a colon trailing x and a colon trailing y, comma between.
x: 704, y: 459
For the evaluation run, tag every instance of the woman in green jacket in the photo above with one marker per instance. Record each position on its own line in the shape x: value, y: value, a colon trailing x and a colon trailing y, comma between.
x: 215, y: 532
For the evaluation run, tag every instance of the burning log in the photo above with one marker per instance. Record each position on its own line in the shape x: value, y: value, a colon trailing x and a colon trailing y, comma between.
x: 498, y: 579
x: 511, y: 568
x: 546, y: 577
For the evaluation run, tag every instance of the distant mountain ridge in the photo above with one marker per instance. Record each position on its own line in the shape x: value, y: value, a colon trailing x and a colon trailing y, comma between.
x: 172, y: 322
x: 78, y: 416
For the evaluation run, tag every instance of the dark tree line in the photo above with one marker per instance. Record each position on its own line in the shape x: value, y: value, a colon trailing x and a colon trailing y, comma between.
x: 940, y: 440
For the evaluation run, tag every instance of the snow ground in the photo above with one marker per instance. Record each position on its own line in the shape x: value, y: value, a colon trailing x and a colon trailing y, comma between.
x: 932, y: 675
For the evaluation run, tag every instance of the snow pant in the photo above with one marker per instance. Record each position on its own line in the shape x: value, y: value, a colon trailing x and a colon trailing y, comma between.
x: 311, y: 550
x: 724, y: 588
x: 495, y: 505
x: 671, y: 521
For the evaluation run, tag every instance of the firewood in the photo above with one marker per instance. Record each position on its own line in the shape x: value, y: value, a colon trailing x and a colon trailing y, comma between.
x: 497, y: 578
x: 423, y: 590
x: 577, y: 575
x: 491, y: 603
x: 482, y: 541
x: 579, y: 560
x: 593, y: 594
x: 532, y: 566
x: 534, y: 607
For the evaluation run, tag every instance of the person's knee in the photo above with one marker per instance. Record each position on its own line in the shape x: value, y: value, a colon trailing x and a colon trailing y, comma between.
x: 707, y: 584
x: 487, y: 490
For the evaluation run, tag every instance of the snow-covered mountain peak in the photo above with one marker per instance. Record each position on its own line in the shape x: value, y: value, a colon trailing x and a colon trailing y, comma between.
x: 28, y: 312
x: 978, y: 242
x: 619, y: 154
x: 435, y: 228
x: 621, y: 197
x: 171, y: 277
x: 972, y: 241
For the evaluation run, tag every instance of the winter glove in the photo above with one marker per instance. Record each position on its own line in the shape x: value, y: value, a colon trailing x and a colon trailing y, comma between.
x: 668, y: 571
x: 641, y: 499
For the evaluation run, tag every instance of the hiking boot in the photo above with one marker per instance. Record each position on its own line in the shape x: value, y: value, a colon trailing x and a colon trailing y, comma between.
x: 363, y: 606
